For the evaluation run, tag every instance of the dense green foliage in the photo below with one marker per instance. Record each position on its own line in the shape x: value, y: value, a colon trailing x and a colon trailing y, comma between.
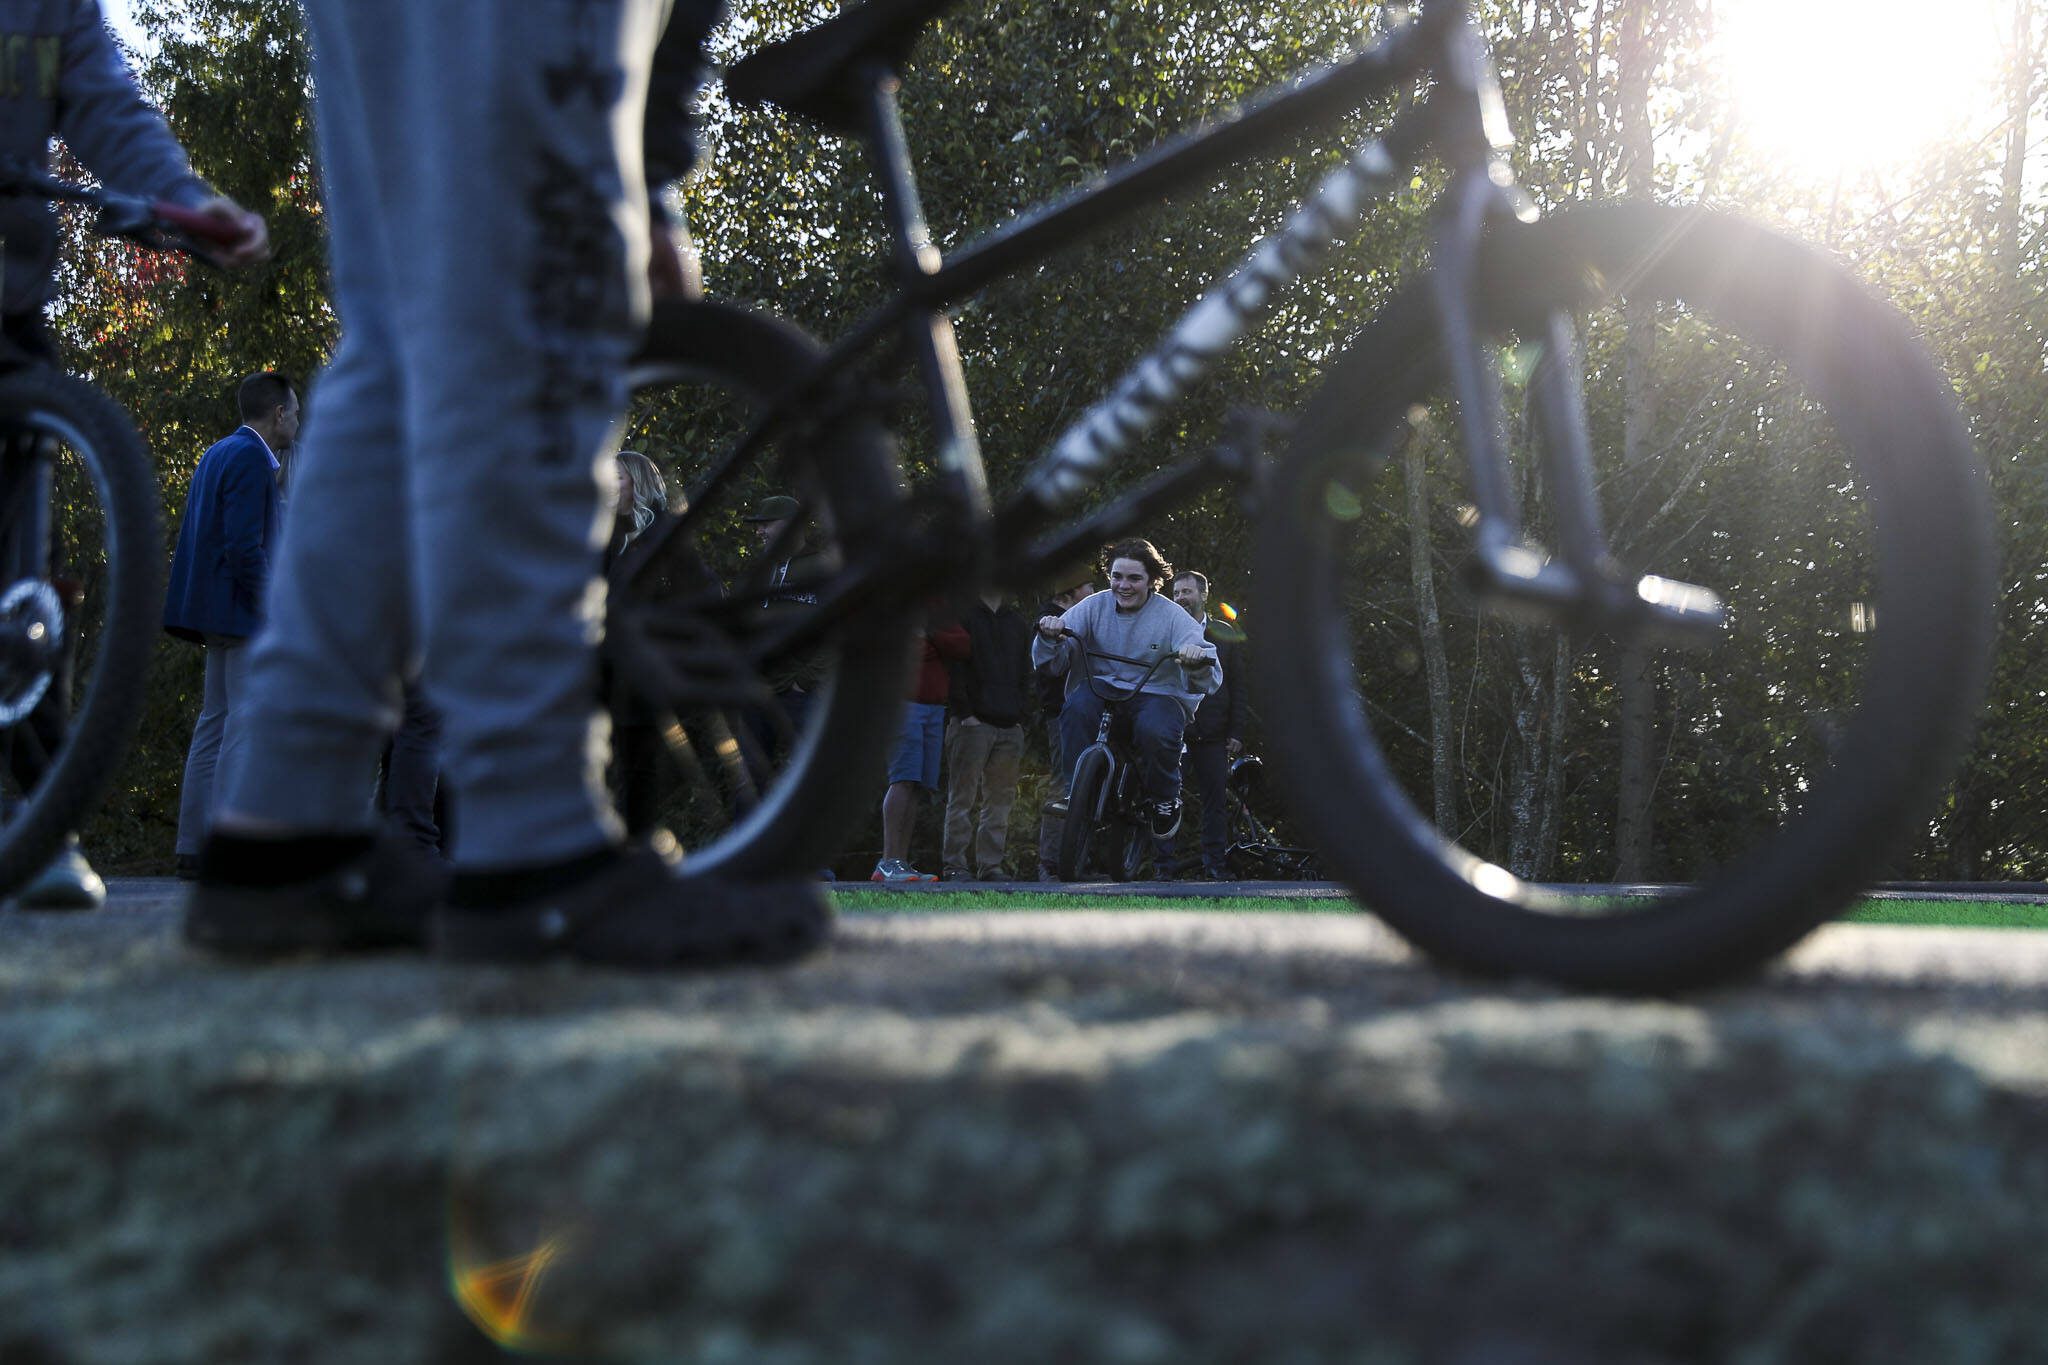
x: 1008, y: 105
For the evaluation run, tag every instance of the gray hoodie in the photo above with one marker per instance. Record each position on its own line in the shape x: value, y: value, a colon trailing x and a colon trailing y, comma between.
x: 1159, y: 626
x: 61, y: 73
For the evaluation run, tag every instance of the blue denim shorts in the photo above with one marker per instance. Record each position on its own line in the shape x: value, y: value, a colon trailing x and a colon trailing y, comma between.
x: 917, y: 750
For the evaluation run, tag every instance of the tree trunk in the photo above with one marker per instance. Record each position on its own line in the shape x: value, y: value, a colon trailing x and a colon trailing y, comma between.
x: 2019, y: 105
x: 1525, y: 800
x: 1544, y: 867
x: 1634, y: 822
x: 1436, y: 667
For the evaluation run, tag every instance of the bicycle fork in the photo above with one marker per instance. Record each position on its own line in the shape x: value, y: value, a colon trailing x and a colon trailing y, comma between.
x: 1584, y: 587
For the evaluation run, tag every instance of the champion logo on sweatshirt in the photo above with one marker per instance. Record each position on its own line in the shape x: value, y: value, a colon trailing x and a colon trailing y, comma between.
x: 30, y: 62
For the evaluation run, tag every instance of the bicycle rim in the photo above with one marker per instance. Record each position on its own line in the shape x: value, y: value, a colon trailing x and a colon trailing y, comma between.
x: 759, y: 758
x: 86, y: 578
x: 1803, y: 460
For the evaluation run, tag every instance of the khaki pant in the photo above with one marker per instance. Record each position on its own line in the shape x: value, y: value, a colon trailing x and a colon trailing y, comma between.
x: 981, y: 775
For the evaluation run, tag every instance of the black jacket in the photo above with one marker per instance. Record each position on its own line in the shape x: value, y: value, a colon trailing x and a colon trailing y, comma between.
x: 993, y: 684
x: 1221, y: 714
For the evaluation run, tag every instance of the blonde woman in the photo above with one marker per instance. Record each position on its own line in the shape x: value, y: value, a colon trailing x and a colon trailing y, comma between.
x: 642, y: 495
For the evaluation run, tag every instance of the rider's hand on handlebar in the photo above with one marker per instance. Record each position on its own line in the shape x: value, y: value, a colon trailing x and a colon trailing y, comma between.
x: 674, y: 269
x: 244, y: 239
x: 1193, y: 657
x: 1050, y: 627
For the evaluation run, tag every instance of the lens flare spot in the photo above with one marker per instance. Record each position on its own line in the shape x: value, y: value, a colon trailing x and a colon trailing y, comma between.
x: 1341, y: 503
x: 498, y: 1296
x: 1489, y: 880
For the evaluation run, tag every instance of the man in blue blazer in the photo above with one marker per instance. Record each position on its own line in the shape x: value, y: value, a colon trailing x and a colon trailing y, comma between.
x: 218, y: 576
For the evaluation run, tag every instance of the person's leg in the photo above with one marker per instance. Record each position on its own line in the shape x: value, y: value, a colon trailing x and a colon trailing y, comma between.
x: 643, y: 781
x: 202, y: 757
x: 967, y: 746
x: 489, y: 226
x: 1209, y: 765
x: 518, y: 359
x: 1048, y: 823
x: 1000, y: 765
x: 413, y: 772
x: 1156, y: 728
x: 899, y: 820
x: 899, y: 801
x: 323, y: 691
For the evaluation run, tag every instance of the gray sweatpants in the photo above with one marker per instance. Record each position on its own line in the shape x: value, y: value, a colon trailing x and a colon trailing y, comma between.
x: 488, y: 224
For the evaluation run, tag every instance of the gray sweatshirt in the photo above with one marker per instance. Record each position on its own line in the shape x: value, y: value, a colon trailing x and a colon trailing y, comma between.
x: 61, y: 73
x: 1159, y: 626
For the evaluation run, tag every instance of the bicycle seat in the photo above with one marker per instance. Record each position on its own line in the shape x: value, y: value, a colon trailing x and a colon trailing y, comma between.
x: 812, y: 73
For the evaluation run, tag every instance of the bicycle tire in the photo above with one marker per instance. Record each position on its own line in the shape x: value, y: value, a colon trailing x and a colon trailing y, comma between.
x: 85, y: 438
x: 1131, y: 841
x: 1084, y: 800
x: 810, y: 798
x: 1928, y: 517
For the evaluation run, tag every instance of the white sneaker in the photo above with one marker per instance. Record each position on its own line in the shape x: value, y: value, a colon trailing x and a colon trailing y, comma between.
x: 68, y: 883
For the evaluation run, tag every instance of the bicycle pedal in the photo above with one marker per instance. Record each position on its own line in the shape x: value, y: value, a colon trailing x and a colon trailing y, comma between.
x: 1678, y: 613
x: 1524, y: 581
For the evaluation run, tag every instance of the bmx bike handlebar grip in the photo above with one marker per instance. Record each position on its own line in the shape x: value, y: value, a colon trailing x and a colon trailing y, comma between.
x: 202, y: 227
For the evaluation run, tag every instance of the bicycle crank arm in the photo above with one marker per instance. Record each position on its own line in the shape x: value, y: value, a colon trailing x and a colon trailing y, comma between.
x: 1523, y: 582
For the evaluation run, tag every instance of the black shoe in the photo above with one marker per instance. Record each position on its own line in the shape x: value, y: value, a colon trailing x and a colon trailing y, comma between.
x: 379, y: 898
x: 635, y: 910
x: 1165, y: 819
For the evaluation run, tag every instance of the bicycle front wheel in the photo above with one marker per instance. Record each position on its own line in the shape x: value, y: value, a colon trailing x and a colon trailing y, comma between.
x: 81, y: 595
x: 1763, y: 427
x: 753, y: 708
x: 1080, y: 837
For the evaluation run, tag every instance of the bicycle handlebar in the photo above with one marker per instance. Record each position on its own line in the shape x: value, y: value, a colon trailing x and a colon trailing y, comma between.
x: 154, y: 223
x: 195, y: 224
x: 1151, y: 669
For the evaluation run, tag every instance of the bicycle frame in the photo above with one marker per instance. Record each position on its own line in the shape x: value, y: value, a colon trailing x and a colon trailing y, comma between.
x: 1462, y: 121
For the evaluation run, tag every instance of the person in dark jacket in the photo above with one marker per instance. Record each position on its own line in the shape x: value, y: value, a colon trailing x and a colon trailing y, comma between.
x: 990, y: 694
x: 1051, y: 690
x: 1216, y: 734
x: 218, y: 576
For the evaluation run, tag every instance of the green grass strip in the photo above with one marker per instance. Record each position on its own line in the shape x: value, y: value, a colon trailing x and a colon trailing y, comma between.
x: 944, y: 901
x: 1963, y: 914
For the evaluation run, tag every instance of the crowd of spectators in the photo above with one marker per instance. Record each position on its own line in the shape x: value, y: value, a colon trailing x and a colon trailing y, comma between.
x: 991, y: 680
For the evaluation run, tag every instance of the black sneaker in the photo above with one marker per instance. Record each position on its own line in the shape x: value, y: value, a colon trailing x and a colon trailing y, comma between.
x: 377, y: 899
x: 1165, y: 819
x: 635, y: 910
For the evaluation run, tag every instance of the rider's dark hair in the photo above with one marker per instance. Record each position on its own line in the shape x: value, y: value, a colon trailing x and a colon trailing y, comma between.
x: 1201, y: 579
x: 1142, y: 551
x: 262, y: 394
